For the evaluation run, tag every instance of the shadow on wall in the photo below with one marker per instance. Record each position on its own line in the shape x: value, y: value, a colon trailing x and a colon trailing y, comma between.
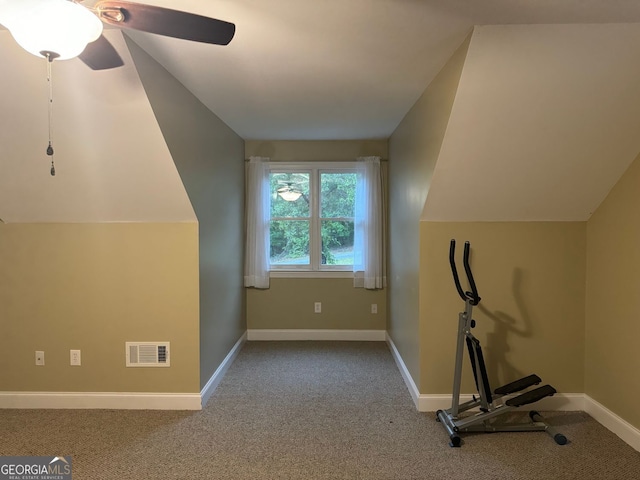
x: 505, y: 326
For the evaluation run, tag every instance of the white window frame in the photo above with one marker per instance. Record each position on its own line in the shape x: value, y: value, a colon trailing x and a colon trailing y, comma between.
x: 315, y: 268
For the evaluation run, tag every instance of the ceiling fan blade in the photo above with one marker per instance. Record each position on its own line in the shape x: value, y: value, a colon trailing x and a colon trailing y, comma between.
x: 167, y: 22
x: 100, y: 55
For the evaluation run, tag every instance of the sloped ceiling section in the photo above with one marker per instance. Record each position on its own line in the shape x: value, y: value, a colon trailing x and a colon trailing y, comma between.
x: 313, y: 70
x: 336, y: 69
x: 545, y: 121
x: 111, y: 159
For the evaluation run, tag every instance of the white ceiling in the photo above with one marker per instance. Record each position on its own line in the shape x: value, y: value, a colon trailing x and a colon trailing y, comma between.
x: 350, y: 69
x: 339, y: 69
x: 112, y: 163
x: 336, y: 69
x: 544, y: 123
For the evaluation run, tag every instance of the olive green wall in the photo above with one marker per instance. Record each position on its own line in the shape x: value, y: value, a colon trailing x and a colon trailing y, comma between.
x: 531, y: 277
x: 93, y: 287
x: 413, y: 152
x: 316, y: 150
x: 613, y: 299
x: 288, y: 303
x: 209, y: 157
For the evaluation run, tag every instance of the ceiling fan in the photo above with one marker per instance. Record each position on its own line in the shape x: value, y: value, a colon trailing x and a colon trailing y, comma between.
x: 62, y: 29
x: 288, y: 192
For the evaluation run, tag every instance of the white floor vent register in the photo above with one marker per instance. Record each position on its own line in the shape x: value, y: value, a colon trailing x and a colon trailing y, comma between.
x: 147, y: 354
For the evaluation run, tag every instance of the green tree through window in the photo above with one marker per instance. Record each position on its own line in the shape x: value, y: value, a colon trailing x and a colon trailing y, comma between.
x: 337, y: 209
x: 290, y: 220
x: 312, y: 224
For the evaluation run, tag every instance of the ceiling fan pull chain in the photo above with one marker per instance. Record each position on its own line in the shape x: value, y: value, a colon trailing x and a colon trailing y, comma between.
x: 50, y: 80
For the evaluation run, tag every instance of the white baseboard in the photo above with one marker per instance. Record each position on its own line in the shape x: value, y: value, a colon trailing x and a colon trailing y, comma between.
x: 434, y: 402
x: 304, y: 334
x: 194, y: 401
x: 559, y: 402
x: 406, y: 376
x: 122, y: 400
x: 217, y: 376
x: 568, y: 402
x: 104, y: 400
x: 619, y: 426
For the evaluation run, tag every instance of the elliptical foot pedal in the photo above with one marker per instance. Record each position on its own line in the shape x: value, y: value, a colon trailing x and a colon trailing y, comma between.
x: 518, y: 385
x: 531, y: 396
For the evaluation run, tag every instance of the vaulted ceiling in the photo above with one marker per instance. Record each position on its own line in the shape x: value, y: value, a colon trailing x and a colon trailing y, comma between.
x: 112, y: 162
x: 335, y: 69
x: 555, y: 106
x: 544, y: 123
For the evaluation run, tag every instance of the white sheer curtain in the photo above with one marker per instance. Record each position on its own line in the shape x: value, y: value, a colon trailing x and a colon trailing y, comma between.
x: 258, y: 201
x: 369, y: 249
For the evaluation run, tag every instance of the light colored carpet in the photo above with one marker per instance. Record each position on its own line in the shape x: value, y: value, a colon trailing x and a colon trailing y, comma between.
x: 309, y: 410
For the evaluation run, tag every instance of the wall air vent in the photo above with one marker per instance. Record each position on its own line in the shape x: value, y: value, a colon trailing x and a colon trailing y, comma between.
x: 147, y: 354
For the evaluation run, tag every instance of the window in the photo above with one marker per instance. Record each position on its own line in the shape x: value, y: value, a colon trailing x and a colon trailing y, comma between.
x: 315, y: 220
x: 312, y: 217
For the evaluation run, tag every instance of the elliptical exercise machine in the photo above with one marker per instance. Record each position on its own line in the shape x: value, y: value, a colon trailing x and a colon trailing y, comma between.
x: 491, y: 404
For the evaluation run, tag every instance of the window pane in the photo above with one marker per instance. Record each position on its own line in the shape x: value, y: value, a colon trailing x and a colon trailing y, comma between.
x: 337, y: 195
x: 289, y: 242
x: 337, y: 243
x: 289, y: 195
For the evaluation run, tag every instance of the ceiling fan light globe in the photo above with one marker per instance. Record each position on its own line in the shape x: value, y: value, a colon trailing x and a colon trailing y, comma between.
x: 58, y: 26
x: 290, y: 196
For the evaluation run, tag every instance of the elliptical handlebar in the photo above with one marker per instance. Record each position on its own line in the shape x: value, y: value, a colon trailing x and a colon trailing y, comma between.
x: 472, y: 296
x: 454, y: 270
x: 467, y: 268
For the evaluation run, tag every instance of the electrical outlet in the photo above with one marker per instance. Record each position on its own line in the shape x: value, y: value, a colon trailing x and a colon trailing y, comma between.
x: 75, y: 357
x: 374, y: 308
x: 39, y: 358
x: 317, y: 307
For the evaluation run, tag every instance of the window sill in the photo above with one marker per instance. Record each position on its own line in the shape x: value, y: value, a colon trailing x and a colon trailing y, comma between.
x: 310, y: 274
